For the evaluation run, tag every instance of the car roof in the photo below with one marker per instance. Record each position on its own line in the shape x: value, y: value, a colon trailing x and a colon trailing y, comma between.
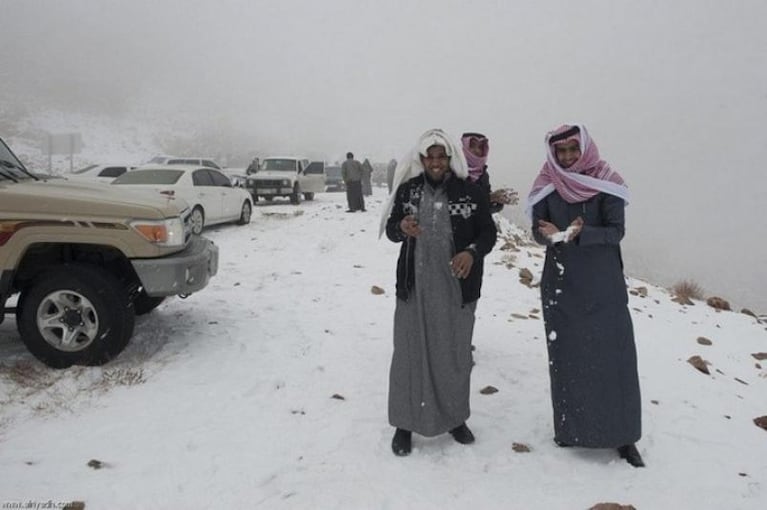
x: 186, y: 168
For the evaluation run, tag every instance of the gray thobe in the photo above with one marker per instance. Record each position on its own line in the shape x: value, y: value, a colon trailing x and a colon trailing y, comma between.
x: 431, y: 365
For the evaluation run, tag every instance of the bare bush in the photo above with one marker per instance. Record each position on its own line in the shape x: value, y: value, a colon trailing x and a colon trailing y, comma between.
x: 687, y: 290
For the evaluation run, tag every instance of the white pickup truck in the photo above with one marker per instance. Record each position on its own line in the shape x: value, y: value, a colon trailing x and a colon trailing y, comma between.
x: 289, y: 176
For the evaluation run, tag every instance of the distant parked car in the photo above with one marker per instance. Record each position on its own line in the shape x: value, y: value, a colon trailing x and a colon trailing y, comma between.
x: 103, y: 173
x: 287, y: 177
x: 209, y: 193
x: 333, y: 179
x: 237, y: 176
x: 178, y: 160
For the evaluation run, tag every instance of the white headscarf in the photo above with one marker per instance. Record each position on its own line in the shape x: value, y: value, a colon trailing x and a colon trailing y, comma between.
x: 410, y: 165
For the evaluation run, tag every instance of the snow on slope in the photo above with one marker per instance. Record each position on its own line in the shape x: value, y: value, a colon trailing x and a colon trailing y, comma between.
x: 227, y: 398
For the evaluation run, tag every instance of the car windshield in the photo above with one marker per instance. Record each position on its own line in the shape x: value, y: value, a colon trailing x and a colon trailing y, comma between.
x: 153, y: 176
x: 287, y: 165
x: 83, y: 170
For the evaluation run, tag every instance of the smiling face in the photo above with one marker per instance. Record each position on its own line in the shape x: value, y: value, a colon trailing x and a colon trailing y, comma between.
x: 567, y: 153
x: 436, y: 163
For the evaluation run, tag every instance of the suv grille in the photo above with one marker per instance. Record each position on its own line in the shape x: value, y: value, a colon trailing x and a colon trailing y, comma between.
x: 268, y: 183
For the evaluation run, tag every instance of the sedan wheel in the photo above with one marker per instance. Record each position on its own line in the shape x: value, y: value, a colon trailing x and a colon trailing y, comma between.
x: 197, y: 220
x: 245, y: 214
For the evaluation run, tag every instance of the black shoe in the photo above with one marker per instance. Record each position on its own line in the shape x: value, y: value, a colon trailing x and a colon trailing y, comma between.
x: 363, y: 210
x: 462, y: 434
x: 562, y: 444
x: 401, y: 443
x: 350, y: 210
x: 631, y: 454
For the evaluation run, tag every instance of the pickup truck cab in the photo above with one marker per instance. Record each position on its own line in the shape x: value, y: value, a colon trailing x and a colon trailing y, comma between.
x: 85, y: 258
x: 288, y: 176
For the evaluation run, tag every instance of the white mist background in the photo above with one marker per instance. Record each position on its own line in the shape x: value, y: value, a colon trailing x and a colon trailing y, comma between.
x: 674, y: 94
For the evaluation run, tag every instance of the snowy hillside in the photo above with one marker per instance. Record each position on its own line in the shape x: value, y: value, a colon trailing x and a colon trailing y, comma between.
x: 268, y: 390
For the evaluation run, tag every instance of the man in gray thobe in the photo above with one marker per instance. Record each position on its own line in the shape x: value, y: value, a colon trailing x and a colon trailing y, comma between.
x: 351, y: 171
x: 444, y: 225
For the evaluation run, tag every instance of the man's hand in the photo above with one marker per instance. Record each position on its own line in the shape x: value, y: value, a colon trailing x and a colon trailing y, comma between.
x: 409, y: 225
x: 461, y: 264
x: 547, y: 229
x: 575, y: 228
x: 504, y: 196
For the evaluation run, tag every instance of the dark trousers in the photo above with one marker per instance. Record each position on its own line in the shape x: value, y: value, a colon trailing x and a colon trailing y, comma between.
x: 354, y: 196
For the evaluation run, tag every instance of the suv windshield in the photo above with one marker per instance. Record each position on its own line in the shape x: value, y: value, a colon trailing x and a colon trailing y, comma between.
x: 10, y: 167
x: 288, y: 165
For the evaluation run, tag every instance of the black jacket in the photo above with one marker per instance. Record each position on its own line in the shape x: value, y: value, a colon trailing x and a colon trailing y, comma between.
x: 473, y: 231
x: 484, y: 183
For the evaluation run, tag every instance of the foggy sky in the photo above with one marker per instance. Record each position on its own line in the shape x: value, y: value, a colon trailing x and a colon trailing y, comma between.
x: 674, y: 94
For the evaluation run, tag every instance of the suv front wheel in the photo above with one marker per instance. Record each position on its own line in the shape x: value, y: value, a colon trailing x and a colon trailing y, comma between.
x: 75, y: 315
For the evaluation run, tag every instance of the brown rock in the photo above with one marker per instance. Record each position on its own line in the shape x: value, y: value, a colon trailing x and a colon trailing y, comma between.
x: 376, y: 290
x: 75, y: 505
x: 761, y: 422
x: 526, y: 277
x: 642, y: 291
x: 612, y: 506
x: 761, y: 356
x: 699, y: 363
x: 702, y: 340
x: 654, y: 402
x: 488, y: 390
x: 718, y: 303
x: 519, y: 316
x: 96, y: 464
x: 749, y: 312
x: 338, y: 397
x: 520, y: 447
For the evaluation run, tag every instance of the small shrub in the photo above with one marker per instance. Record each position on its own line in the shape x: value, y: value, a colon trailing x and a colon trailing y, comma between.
x: 687, y: 290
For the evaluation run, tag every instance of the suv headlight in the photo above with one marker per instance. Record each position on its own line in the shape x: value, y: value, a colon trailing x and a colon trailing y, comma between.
x: 168, y: 232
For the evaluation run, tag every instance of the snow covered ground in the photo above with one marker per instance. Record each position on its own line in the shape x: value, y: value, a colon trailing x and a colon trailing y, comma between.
x: 268, y: 390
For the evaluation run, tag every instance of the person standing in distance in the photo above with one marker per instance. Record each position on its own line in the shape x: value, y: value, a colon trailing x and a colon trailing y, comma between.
x: 351, y: 172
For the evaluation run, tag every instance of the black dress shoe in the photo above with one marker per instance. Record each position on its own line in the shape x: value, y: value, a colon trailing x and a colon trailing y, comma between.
x: 401, y: 443
x: 631, y: 454
x: 350, y: 210
x: 462, y: 434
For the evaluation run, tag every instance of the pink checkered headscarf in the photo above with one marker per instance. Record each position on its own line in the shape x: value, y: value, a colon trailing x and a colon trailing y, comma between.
x: 587, y: 177
x: 476, y: 163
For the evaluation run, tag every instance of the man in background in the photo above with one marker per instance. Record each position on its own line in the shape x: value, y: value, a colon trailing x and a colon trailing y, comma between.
x: 351, y: 171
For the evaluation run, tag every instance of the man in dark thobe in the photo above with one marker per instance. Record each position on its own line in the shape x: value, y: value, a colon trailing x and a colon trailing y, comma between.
x: 351, y: 171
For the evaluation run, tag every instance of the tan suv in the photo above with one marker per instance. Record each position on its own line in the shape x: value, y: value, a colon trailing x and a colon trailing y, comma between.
x: 86, y: 258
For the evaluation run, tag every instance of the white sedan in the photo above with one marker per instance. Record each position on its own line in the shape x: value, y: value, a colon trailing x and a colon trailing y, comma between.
x: 208, y: 192
x: 102, y: 173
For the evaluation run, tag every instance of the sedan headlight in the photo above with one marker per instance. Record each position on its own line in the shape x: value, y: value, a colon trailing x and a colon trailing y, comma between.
x: 168, y: 232
x: 285, y: 182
